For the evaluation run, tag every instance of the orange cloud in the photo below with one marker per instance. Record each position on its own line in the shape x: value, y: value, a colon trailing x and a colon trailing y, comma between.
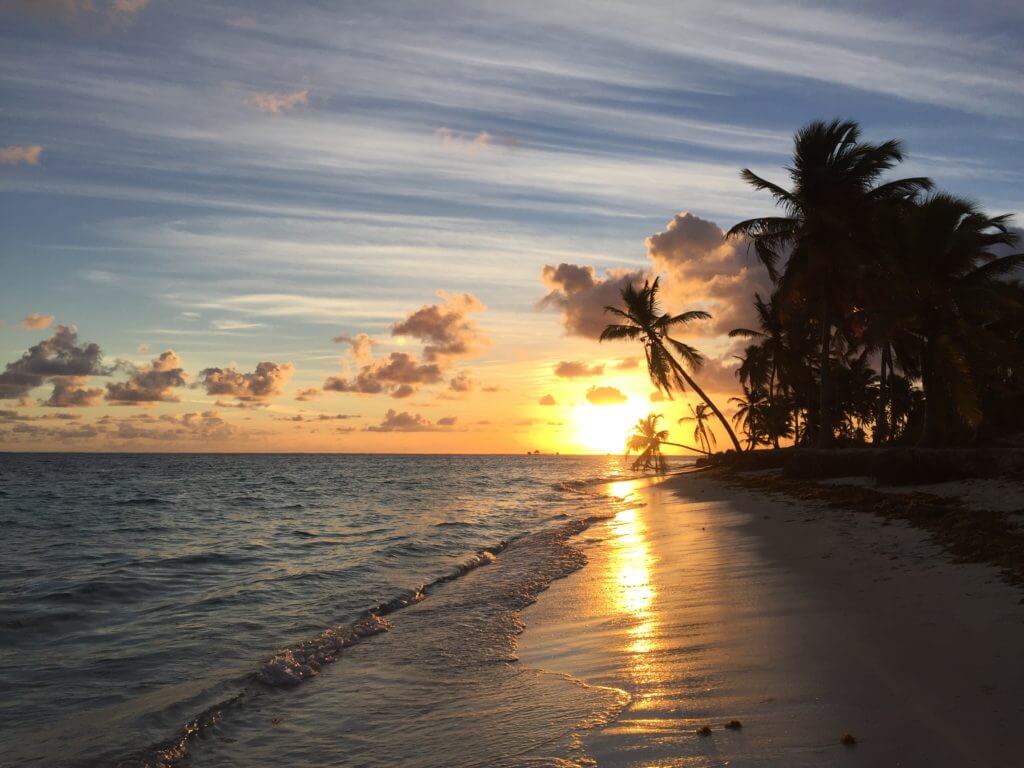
x: 605, y: 396
x: 35, y: 321
x: 278, y: 102
x: 398, y: 373
x: 149, y: 384
x: 394, y: 421
x: 577, y: 369
x: 71, y: 392
x: 582, y: 296
x: 705, y: 266
x: 264, y: 383
x: 20, y: 154
x: 445, y: 329
x: 547, y: 400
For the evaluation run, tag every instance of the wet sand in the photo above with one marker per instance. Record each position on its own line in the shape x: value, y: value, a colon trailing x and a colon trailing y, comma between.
x: 707, y: 603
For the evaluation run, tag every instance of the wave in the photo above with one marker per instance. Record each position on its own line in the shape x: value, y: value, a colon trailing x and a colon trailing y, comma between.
x: 295, y: 664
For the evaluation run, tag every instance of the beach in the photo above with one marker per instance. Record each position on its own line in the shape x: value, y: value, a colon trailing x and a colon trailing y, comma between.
x: 708, y: 603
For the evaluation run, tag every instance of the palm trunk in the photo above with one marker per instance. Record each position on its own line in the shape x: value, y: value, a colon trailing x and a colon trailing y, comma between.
x: 881, y: 434
x: 931, y: 433
x: 700, y: 393
x: 826, y: 429
x: 687, y: 447
x: 772, y: 431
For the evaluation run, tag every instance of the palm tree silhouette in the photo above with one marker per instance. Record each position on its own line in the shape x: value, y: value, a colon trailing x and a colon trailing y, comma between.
x: 644, y: 320
x: 823, y: 235
x: 766, y: 363
x: 955, y: 288
x: 751, y: 416
x: 645, y: 440
x: 704, y: 437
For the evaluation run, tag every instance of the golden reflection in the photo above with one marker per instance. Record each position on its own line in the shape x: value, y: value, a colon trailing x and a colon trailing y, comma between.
x: 632, y: 590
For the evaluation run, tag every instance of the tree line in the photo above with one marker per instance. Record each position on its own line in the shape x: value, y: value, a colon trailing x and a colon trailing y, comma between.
x: 893, y: 315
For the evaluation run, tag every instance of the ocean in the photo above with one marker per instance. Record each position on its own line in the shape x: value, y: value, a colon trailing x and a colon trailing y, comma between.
x: 299, y: 610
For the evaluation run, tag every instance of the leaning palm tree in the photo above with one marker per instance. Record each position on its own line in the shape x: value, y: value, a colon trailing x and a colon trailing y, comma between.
x: 645, y: 440
x: 700, y: 415
x: 822, y: 238
x: 644, y: 320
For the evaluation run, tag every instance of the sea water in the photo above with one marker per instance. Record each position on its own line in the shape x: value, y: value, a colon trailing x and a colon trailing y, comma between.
x: 300, y: 610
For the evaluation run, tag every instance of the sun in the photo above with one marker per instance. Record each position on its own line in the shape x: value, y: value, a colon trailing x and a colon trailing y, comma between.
x: 603, y: 428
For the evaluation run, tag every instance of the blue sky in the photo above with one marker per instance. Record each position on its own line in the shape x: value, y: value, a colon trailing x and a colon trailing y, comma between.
x: 244, y: 182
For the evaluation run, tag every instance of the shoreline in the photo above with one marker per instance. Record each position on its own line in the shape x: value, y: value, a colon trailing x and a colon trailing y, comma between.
x: 709, y: 602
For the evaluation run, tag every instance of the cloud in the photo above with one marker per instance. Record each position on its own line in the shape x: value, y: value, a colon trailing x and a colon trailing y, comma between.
x: 20, y: 154
x: 264, y: 383
x: 627, y: 364
x: 407, y: 422
x: 461, y: 382
x: 605, y: 396
x: 657, y: 396
x: 447, y: 421
x: 59, y: 355
x: 151, y: 383
x: 547, y: 400
x: 445, y: 329
x: 113, y: 12
x: 361, y: 346
x: 473, y: 141
x: 577, y: 369
x: 234, y: 325
x: 143, y: 349
x: 718, y: 375
x: 582, y: 297
x: 398, y: 374
x: 706, y: 268
x: 128, y: 7
x: 36, y: 321
x: 307, y: 393
x: 319, y: 417
x: 277, y: 102
x: 202, y: 426
x: 71, y: 392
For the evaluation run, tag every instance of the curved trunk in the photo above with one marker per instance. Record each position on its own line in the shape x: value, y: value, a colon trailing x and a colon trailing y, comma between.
x: 700, y: 393
x: 687, y: 447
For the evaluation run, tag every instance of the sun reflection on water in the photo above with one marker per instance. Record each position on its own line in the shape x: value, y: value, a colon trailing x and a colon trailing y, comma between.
x: 631, y: 590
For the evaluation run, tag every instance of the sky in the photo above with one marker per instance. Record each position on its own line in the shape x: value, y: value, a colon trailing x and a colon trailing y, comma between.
x: 365, y: 226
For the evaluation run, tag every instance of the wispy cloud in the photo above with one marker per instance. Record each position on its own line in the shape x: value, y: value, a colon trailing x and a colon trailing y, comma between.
x: 278, y: 102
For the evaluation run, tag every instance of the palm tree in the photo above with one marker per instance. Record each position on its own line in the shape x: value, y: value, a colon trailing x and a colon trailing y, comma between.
x: 704, y: 437
x: 644, y: 320
x: 954, y: 287
x: 750, y: 416
x: 645, y: 440
x: 765, y: 363
x: 823, y: 235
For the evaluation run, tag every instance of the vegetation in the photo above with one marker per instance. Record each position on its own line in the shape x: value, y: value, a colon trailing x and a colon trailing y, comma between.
x: 643, y: 320
x: 893, y: 317
x: 645, y: 441
x: 704, y: 437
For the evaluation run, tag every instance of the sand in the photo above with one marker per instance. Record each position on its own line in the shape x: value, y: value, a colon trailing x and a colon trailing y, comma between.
x: 707, y: 604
